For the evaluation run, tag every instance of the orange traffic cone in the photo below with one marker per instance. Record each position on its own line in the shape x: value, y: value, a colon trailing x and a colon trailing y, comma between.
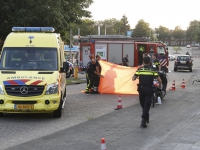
x: 173, y: 85
x: 103, y: 144
x: 183, y: 84
x: 119, y: 104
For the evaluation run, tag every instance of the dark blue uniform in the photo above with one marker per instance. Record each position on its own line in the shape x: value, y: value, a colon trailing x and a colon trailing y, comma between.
x: 125, y: 61
x: 146, y: 75
x: 89, y: 76
x: 96, y: 77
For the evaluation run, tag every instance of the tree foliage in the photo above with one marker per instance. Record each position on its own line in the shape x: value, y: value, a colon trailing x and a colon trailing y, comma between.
x: 112, y: 26
x: 64, y: 15
x: 109, y: 26
x: 162, y: 32
x: 141, y: 29
x: 56, y: 13
x: 178, y: 33
x: 124, y: 25
x: 193, y: 31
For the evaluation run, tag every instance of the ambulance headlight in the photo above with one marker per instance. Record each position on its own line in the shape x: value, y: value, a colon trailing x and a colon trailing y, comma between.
x: 1, y: 89
x: 52, y: 88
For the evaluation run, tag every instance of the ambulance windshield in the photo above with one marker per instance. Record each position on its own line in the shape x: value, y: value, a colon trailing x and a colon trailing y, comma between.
x: 30, y: 58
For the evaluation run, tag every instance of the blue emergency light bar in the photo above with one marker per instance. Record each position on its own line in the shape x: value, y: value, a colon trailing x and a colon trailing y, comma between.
x: 33, y: 29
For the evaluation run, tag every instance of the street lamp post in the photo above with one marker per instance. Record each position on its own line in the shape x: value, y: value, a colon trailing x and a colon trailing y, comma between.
x: 150, y: 35
x: 70, y: 44
x: 105, y: 30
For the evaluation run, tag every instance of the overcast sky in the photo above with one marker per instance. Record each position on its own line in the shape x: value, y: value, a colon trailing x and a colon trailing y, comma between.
x: 168, y: 13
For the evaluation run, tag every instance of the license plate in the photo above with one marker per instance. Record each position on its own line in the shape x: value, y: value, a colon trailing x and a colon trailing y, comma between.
x: 25, y: 106
x: 183, y: 62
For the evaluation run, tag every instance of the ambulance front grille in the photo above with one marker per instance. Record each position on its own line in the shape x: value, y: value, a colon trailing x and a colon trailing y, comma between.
x: 24, y: 90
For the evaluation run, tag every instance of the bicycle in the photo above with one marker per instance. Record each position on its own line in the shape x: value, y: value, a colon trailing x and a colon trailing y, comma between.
x: 154, y: 97
x: 197, y: 80
x: 163, y: 76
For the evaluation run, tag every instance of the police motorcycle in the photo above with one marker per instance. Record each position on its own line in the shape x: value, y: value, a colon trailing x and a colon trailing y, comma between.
x: 156, y: 91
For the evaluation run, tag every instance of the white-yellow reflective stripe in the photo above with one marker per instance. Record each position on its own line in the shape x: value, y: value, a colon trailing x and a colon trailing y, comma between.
x: 146, y: 73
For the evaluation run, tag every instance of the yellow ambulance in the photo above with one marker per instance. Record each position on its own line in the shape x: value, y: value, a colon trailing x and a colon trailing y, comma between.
x: 33, y: 72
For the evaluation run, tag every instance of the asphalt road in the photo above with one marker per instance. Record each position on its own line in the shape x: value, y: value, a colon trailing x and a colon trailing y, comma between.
x: 88, y: 118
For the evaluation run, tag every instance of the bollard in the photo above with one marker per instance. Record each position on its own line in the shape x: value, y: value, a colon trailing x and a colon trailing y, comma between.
x: 76, y: 72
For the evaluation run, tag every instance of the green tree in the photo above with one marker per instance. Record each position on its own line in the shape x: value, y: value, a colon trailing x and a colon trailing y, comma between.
x: 58, y: 14
x: 117, y: 27
x: 162, y: 33
x: 141, y: 29
x: 87, y: 27
x: 125, y: 25
x: 193, y: 32
x: 198, y: 36
x: 112, y: 26
x: 178, y: 33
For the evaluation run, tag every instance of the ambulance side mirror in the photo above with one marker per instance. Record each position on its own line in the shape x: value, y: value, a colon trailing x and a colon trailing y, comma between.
x: 65, y: 67
x: 77, y: 62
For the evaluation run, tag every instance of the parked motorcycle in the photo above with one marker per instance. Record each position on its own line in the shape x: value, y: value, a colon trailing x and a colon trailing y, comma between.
x: 71, y: 70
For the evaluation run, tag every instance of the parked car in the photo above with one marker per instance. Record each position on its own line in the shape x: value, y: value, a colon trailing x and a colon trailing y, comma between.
x: 188, y: 46
x: 71, y: 70
x: 183, y: 62
x: 171, y: 57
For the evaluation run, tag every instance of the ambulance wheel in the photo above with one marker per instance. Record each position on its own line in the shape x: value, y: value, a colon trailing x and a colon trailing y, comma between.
x: 1, y: 114
x: 58, y: 113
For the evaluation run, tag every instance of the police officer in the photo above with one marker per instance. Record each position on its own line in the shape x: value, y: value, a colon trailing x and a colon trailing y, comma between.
x: 90, y: 75
x: 146, y: 76
x: 87, y: 67
x: 90, y: 72
x: 156, y: 62
x: 125, y: 61
x: 97, y: 74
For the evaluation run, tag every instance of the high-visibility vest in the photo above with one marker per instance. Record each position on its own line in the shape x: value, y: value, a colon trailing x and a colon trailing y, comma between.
x: 141, y: 48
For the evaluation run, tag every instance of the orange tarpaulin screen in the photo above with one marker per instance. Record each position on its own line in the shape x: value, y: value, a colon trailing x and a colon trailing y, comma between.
x: 117, y: 79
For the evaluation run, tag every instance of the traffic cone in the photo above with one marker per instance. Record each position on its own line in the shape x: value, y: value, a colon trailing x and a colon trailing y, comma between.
x: 159, y: 100
x: 183, y: 84
x: 103, y: 144
x: 119, y: 104
x: 173, y: 85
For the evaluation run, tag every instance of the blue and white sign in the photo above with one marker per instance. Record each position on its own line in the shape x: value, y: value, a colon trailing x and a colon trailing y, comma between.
x: 73, y: 49
x: 129, y: 33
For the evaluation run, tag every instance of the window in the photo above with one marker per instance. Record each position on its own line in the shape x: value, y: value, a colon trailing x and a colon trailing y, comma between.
x: 160, y: 50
